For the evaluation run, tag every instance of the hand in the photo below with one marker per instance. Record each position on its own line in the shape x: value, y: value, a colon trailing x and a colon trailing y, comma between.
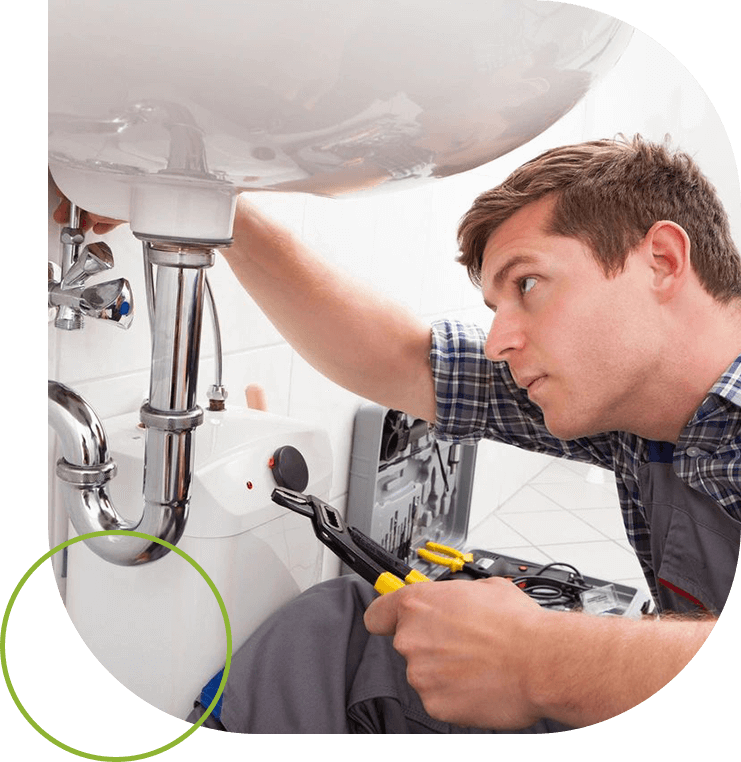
x: 99, y: 225
x: 468, y: 648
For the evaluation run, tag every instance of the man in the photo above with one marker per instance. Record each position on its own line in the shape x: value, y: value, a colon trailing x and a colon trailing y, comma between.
x: 616, y: 340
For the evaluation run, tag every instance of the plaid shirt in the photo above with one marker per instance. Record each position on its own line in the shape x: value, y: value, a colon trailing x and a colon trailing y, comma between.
x: 477, y: 398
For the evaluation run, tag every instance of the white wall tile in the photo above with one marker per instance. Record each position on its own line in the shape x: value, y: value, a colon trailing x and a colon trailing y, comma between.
x: 319, y: 401
x: 243, y: 325
x: 269, y: 367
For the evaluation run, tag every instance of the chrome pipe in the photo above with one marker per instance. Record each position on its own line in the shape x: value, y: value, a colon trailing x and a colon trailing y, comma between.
x: 170, y: 416
x: 177, y: 326
x: 80, y: 431
x: 218, y: 352
x: 216, y: 393
x: 149, y: 288
x: 72, y: 237
x: 84, y: 471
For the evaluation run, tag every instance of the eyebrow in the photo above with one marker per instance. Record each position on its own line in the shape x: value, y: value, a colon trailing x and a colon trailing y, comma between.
x: 501, y: 275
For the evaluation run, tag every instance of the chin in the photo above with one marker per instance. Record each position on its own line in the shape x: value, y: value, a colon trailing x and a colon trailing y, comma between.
x: 564, y: 434
x: 568, y: 428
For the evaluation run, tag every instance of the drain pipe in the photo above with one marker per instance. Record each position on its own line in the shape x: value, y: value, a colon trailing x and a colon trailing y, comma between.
x: 170, y: 417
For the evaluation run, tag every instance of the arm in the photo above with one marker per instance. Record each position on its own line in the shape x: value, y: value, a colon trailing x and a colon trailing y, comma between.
x: 485, y: 655
x: 604, y: 666
x: 355, y: 337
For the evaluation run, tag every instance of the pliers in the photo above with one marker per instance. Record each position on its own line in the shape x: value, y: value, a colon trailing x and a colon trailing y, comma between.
x: 362, y: 554
x: 455, y: 560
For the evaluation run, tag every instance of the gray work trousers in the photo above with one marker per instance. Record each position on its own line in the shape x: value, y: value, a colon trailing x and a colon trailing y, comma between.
x: 312, y: 667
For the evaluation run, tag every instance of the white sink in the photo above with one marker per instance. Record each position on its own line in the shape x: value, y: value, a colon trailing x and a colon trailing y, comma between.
x: 161, y: 112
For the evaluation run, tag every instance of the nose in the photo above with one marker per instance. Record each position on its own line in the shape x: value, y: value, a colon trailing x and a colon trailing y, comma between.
x: 505, y: 336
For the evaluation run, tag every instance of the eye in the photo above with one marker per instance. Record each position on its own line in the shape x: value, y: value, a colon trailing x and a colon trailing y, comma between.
x: 526, y: 284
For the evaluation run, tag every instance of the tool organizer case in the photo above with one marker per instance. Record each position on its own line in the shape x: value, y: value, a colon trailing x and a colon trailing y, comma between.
x: 407, y: 488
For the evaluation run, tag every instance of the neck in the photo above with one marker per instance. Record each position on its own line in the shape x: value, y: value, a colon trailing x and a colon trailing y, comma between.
x: 698, y: 356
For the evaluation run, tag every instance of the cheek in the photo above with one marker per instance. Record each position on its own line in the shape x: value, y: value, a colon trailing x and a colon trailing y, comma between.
x: 604, y: 319
x: 589, y: 353
x: 607, y: 362
x: 577, y: 339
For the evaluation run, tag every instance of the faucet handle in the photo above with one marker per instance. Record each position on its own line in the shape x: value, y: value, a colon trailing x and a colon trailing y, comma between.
x: 95, y: 258
x: 111, y: 300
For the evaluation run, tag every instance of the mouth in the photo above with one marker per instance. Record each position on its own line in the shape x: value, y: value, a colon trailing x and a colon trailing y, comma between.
x: 533, y: 383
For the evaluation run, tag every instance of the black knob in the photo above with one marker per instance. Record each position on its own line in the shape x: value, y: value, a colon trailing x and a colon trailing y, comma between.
x: 290, y: 469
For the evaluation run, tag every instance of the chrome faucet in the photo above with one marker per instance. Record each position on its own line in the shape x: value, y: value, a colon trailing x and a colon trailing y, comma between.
x: 73, y: 300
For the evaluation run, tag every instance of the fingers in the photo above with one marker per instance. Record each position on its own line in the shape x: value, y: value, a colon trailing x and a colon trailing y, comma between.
x: 382, y: 615
x: 99, y: 228
x: 97, y: 224
x: 94, y: 222
x: 61, y: 213
x: 393, y: 610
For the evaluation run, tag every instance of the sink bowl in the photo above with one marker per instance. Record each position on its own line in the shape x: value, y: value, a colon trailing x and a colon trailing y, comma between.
x: 162, y: 112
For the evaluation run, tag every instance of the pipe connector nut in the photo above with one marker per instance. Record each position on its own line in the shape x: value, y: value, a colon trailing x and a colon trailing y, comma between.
x: 171, y: 420
x: 86, y: 476
x: 182, y: 257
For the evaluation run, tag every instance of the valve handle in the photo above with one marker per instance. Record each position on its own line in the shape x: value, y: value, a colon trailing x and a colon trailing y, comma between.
x: 95, y: 258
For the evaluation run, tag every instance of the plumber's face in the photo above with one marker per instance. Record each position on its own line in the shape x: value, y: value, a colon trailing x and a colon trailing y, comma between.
x: 575, y: 339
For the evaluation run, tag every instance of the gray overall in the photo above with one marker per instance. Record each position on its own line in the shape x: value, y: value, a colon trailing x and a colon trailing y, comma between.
x: 313, y: 667
x: 694, y: 543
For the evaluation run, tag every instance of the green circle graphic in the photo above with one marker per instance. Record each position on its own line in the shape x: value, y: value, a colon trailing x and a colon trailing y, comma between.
x: 210, y: 707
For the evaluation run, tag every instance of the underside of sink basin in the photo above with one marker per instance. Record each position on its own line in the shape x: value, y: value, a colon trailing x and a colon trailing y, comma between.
x: 196, y: 100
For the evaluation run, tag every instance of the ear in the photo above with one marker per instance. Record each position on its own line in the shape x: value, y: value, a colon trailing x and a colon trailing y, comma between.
x: 667, y: 249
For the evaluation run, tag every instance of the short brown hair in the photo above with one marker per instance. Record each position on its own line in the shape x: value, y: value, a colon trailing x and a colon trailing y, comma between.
x: 608, y: 194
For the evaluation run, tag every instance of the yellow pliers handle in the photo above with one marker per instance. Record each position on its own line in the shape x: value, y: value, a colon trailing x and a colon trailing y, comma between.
x: 443, y: 555
x: 389, y: 582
